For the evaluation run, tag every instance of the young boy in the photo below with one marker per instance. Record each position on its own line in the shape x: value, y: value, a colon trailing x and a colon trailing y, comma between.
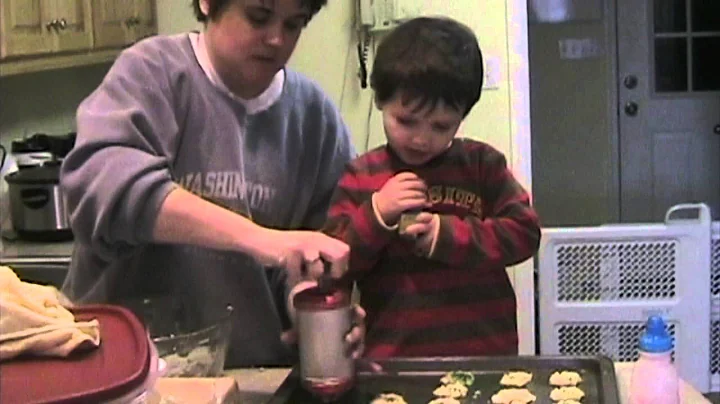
x: 438, y: 286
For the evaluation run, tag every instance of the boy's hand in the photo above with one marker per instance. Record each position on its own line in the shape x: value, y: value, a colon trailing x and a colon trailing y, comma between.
x: 402, y: 192
x: 424, y: 230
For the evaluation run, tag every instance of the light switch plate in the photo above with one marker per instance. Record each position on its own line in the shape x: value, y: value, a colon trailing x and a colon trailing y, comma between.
x: 493, y: 73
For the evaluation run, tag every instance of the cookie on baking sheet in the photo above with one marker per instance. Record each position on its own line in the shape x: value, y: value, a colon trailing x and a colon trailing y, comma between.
x: 566, y: 393
x: 565, y: 378
x: 513, y: 396
x: 445, y: 400
x: 453, y: 390
x: 389, y: 398
x: 516, y: 379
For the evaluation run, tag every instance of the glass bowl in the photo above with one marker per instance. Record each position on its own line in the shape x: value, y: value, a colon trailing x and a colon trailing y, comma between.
x: 189, y: 350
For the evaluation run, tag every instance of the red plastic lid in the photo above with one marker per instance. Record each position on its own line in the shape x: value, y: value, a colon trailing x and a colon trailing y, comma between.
x: 119, y: 365
x: 321, y: 299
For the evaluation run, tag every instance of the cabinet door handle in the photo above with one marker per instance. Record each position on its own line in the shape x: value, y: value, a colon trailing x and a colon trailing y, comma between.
x: 132, y: 21
x: 52, y: 24
x: 62, y: 23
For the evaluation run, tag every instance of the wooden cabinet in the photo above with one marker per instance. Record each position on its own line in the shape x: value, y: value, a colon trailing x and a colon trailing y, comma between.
x: 23, y: 27
x: 72, y: 24
x: 118, y: 23
x: 42, y: 26
x: 46, y: 34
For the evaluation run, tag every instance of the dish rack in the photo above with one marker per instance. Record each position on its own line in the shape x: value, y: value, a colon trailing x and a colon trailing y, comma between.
x: 597, y: 286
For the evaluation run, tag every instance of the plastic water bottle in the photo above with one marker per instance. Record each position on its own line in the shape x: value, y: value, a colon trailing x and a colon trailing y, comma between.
x: 654, y: 377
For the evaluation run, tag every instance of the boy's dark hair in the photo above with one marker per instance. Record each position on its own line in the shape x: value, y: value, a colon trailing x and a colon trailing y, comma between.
x: 430, y: 59
x: 217, y: 6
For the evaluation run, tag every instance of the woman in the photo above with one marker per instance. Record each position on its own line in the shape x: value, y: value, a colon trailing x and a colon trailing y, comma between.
x: 200, y: 169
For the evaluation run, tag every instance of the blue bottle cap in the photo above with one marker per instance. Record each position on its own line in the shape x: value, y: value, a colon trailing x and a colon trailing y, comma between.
x: 656, y: 338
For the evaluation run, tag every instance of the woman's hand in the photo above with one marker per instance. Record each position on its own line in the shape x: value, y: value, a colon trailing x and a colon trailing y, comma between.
x: 303, y: 254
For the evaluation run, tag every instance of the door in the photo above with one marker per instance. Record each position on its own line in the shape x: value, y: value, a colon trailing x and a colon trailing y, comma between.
x: 74, y: 25
x: 669, y: 105
x: 27, y: 27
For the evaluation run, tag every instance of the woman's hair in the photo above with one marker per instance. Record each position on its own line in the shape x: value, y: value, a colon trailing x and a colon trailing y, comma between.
x: 217, y: 7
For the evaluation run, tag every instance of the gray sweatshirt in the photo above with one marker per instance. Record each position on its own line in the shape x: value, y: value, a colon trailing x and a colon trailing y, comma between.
x: 157, y: 121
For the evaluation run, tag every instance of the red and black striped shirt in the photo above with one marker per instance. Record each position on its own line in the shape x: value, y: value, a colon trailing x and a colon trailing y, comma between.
x: 460, y: 300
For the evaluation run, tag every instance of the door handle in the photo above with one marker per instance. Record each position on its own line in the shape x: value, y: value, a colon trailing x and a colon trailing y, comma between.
x: 630, y: 81
x: 631, y: 108
x: 716, y: 129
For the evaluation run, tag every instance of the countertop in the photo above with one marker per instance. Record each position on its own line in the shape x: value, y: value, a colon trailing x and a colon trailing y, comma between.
x: 257, y: 386
x: 20, y: 251
x: 45, y: 263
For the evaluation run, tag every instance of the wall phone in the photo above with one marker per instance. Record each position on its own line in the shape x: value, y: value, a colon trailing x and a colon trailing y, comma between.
x: 374, y: 16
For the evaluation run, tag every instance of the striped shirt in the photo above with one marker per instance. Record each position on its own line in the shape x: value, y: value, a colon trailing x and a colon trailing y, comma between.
x: 458, y: 301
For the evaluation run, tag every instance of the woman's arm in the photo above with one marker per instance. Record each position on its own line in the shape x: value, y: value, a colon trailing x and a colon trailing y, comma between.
x: 120, y: 191
x: 185, y: 218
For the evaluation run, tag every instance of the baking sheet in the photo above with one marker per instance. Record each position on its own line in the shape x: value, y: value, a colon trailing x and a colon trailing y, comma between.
x: 416, y: 378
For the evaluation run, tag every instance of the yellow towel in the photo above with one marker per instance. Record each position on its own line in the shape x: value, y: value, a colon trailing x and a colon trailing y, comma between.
x: 34, y: 321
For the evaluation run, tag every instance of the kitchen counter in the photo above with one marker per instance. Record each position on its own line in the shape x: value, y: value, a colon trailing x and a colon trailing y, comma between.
x: 257, y: 386
x: 20, y: 251
x: 45, y: 263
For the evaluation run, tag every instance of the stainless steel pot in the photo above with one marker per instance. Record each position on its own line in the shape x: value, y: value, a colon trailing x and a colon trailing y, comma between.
x: 37, y: 204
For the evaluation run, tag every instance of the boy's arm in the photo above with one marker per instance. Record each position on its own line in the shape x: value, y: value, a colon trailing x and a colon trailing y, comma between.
x: 509, y: 234
x: 352, y: 219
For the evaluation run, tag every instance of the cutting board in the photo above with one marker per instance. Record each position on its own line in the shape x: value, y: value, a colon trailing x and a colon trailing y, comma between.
x: 192, y: 390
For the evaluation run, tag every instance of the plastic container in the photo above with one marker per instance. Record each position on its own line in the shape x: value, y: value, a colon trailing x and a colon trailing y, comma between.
x: 654, y: 377
x: 324, y: 317
x: 120, y: 366
x: 158, y: 369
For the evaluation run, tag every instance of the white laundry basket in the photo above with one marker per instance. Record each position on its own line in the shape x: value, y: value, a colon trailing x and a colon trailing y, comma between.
x: 598, y: 285
x: 715, y: 307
